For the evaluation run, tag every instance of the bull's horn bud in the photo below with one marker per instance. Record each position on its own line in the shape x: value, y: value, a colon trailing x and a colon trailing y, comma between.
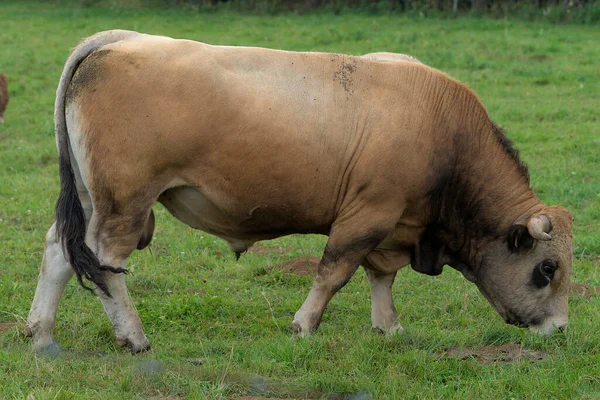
x: 539, y: 226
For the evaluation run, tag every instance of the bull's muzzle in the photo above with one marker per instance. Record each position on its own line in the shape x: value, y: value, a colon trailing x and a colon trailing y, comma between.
x: 549, y: 326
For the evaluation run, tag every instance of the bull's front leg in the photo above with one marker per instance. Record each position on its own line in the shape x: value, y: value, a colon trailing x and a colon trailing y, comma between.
x: 347, y: 246
x: 330, y: 277
x: 381, y: 267
x: 383, y: 313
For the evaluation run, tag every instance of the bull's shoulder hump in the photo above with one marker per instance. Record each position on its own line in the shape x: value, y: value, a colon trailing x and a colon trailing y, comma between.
x: 153, y: 44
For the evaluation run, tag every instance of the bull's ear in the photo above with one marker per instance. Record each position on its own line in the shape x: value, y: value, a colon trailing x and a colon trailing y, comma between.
x: 428, y: 255
x: 519, y: 238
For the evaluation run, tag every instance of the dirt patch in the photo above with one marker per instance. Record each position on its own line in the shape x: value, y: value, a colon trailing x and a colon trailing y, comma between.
x: 585, y: 290
x: 301, y: 266
x: 4, y: 326
x: 491, y: 354
x: 264, y: 250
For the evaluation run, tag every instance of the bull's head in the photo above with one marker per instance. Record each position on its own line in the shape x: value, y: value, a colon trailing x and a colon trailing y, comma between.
x: 524, y: 274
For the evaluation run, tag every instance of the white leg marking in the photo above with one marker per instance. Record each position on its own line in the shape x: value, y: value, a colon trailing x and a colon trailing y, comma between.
x: 119, y: 308
x: 55, y: 273
x: 122, y: 314
x: 330, y: 277
x: 383, y: 312
x: 309, y: 315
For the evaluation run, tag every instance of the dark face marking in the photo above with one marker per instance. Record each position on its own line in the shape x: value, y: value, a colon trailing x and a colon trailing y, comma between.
x: 543, y: 273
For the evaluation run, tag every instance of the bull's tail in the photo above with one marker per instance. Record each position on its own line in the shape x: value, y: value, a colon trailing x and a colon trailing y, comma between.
x: 70, y: 216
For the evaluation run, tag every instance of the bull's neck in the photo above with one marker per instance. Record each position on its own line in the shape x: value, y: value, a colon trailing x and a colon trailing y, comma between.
x: 485, y: 187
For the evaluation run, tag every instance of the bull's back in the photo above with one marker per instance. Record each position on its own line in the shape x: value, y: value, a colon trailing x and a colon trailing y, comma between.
x: 284, y: 135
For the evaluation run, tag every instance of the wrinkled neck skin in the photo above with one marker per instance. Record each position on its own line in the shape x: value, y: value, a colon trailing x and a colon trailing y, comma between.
x: 484, y: 191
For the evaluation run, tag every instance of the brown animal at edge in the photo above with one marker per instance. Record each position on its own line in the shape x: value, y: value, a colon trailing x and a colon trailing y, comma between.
x: 395, y: 161
x: 4, y: 97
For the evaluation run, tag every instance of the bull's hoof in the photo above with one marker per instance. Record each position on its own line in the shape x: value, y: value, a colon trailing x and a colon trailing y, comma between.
x: 44, y: 347
x: 139, y: 349
x: 41, y: 340
x: 395, y: 329
x: 295, y: 327
x: 50, y: 349
x: 134, y: 346
x: 298, y: 331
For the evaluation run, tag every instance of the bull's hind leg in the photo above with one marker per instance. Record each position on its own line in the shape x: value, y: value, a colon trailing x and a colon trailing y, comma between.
x: 113, y: 239
x: 348, y: 244
x: 55, y: 273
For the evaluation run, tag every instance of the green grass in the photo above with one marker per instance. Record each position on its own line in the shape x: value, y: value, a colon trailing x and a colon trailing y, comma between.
x: 538, y: 80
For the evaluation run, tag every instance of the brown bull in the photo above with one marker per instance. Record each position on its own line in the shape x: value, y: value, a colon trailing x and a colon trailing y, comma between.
x: 396, y: 162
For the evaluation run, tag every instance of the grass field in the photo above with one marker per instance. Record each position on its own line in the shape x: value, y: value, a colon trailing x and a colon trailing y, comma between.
x: 219, y: 327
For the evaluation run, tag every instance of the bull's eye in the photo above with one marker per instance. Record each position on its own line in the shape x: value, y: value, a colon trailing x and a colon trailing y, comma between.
x: 548, y: 270
x: 543, y: 273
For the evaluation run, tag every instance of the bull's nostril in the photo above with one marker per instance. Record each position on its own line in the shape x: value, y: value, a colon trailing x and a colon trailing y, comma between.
x: 562, y: 328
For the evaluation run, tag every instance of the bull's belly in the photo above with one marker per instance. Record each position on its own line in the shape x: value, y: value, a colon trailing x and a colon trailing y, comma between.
x: 241, y: 230
x: 240, y: 226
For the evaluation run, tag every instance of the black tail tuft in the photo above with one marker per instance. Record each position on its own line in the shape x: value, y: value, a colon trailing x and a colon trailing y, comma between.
x: 70, y: 230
